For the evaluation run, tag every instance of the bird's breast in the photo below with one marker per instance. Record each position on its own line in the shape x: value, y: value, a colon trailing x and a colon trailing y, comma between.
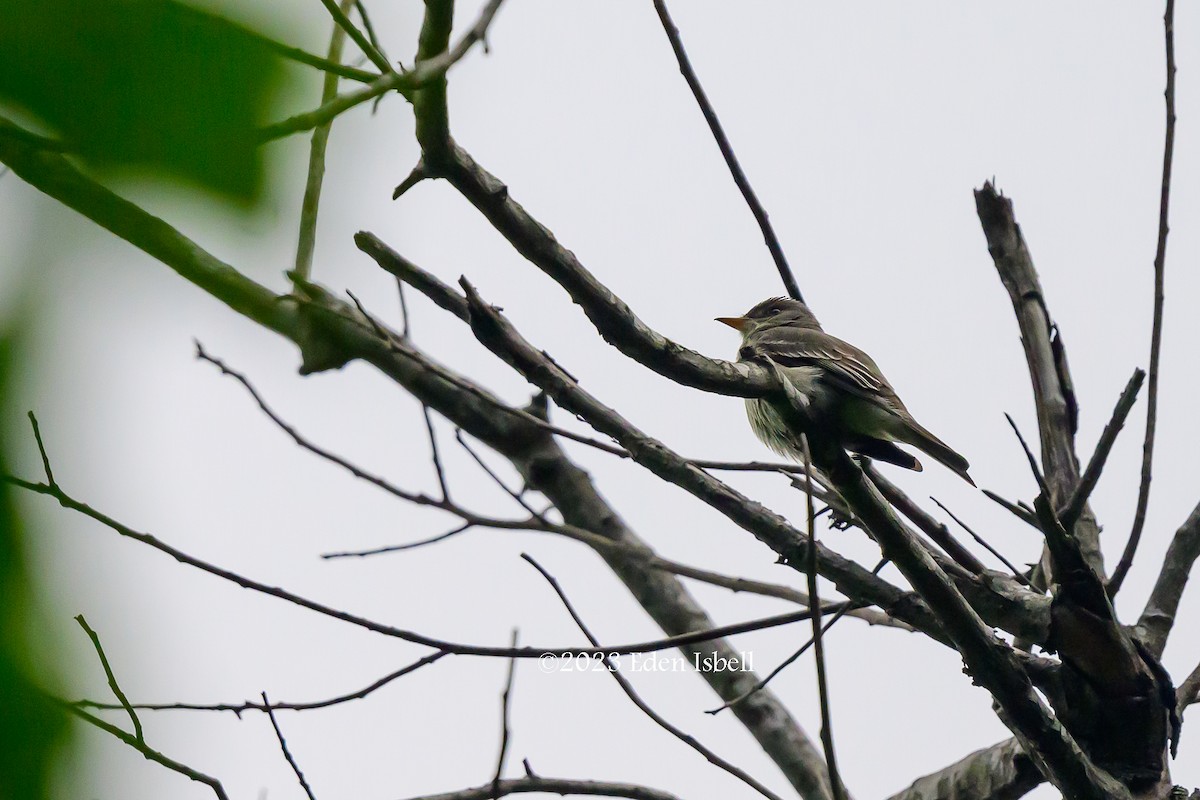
x: 770, y: 428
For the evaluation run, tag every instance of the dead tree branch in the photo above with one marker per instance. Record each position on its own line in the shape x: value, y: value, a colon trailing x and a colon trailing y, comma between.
x: 239, y: 708
x: 1046, y: 357
x: 112, y: 679
x: 1158, y: 617
x: 999, y: 772
x: 536, y: 784
x: 309, y: 206
x: 1160, y: 258
x: 731, y: 161
x: 287, y: 754
x: 150, y: 753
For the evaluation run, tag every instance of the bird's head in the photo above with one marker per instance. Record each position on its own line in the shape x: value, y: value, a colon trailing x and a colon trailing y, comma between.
x: 771, y: 313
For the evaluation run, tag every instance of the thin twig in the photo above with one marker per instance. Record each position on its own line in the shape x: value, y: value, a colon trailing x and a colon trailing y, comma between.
x: 1160, y: 256
x: 1108, y: 437
x: 504, y: 706
x: 112, y: 679
x: 835, y: 781
x: 239, y: 708
x: 361, y: 8
x: 286, y: 752
x: 396, y: 548
x: 437, y: 456
x: 369, y: 50
x: 1033, y: 464
x: 735, y: 169
x: 627, y: 687
x: 982, y: 542
x: 316, y: 158
x: 150, y: 753
x: 405, y: 333
x: 496, y: 479
x: 935, y: 530
x: 404, y: 320
x: 323, y: 64
x: 1162, y: 607
x: 1189, y: 690
x: 536, y: 784
x: 41, y: 446
x: 1019, y: 510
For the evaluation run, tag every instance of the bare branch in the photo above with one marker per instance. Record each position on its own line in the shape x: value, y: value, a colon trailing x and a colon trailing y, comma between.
x: 1108, y: 437
x: 399, y: 548
x: 369, y: 50
x: 735, y: 169
x: 1019, y: 509
x: 435, y: 453
x: 504, y: 701
x: 627, y: 687
x: 150, y: 753
x: 41, y: 446
x: 935, y: 530
x: 535, y: 784
x: 496, y: 479
x: 983, y: 543
x: 1045, y: 355
x: 304, y: 57
x: 1189, y: 690
x: 112, y: 679
x: 316, y: 153
x: 1000, y: 772
x: 286, y: 752
x: 1160, y: 257
x: 361, y: 8
x: 1158, y: 617
x: 238, y: 708
x: 835, y: 780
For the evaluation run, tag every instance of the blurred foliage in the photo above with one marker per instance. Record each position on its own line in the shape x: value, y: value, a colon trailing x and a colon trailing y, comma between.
x: 32, y: 728
x: 143, y: 83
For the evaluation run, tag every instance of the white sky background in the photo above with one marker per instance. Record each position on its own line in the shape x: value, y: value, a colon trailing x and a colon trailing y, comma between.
x: 862, y: 126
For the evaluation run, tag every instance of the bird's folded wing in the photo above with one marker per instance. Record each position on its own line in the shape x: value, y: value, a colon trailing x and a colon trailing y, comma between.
x: 843, y: 364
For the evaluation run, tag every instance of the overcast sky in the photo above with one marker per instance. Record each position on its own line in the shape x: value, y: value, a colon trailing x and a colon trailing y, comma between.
x: 863, y: 126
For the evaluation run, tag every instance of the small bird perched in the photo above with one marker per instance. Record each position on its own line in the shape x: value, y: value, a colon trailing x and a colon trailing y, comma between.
x: 847, y: 394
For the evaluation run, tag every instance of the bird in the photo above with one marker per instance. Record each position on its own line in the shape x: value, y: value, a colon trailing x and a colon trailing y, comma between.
x: 846, y: 393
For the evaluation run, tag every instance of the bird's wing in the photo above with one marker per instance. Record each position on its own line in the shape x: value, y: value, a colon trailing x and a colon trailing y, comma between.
x: 842, y: 363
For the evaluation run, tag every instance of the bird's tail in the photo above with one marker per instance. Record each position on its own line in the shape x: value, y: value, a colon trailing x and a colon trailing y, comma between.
x: 912, y: 433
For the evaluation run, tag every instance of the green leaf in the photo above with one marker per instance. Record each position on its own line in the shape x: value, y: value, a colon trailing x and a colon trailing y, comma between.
x: 143, y: 83
x: 32, y: 729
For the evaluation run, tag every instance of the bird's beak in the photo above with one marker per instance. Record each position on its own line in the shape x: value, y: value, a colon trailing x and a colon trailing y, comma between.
x: 737, y: 323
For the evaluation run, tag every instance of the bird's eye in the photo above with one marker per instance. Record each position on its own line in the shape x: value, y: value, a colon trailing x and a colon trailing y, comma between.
x: 774, y: 310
